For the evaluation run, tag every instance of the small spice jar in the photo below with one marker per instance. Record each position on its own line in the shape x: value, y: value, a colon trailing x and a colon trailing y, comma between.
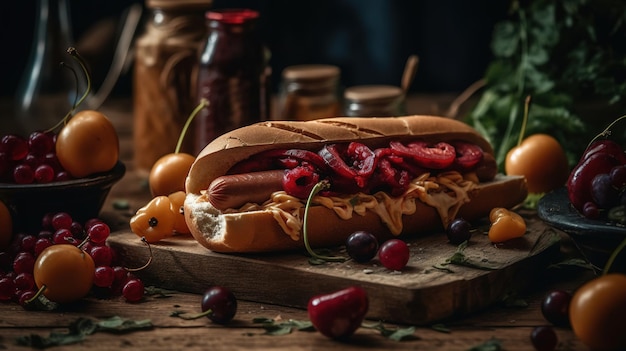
x: 309, y: 92
x: 232, y: 75
x: 166, y: 63
x: 374, y: 101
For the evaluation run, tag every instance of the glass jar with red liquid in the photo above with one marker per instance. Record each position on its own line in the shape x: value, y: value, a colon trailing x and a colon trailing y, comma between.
x: 232, y: 75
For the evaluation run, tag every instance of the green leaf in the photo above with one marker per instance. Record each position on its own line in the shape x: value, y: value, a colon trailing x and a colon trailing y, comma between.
x: 393, y: 333
x: 79, y: 329
x: 490, y: 345
x: 117, y: 324
x: 440, y: 328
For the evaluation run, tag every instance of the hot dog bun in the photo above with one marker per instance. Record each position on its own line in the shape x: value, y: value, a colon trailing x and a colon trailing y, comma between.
x: 259, y: 231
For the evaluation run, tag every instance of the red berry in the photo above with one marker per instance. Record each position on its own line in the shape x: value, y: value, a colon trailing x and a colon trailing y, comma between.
x: 394, y: 254
x: 98, y: 233
x: 61, y: 220
x: 103, y: 276
x: 23, y: 174
x: 133, y: 290
x: 44, y: 174
x: 339, y: 314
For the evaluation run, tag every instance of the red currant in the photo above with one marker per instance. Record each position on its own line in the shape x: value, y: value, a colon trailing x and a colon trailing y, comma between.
x: 98, y: 233
x: 61, y: 220
x: 133, y: 290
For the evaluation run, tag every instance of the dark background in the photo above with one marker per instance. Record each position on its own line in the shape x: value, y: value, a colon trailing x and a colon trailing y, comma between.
x: 370, y: 40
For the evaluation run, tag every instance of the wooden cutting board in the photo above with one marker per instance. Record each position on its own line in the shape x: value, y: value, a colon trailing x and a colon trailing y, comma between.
x: 427, y: 291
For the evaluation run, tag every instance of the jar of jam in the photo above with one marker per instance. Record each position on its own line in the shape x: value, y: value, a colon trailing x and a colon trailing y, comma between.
x: 309, y: 92
x: 374, y: 101
x: 166, y: 64
x: 232, y: 75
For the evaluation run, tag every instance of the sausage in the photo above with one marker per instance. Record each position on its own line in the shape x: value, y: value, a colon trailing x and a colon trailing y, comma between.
x: 234, y: 191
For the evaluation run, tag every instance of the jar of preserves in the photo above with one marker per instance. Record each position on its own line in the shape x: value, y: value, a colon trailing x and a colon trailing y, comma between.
x: 232, y: 75
x: 374, y: 101
x: 166, y: 63
x: 309, y: 92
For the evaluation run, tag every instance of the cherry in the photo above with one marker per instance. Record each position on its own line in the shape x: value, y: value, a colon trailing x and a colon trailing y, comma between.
x: 362, y: 246
x: 221, y: 303
x: 581, y: 177
x: 555, y: 307
x: 338, y: 314
x: 543, y: 338
x: 394, y: 254
x: 458, y: 231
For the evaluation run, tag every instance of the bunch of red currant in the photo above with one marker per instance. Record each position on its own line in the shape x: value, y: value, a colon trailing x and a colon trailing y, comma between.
x: 30, y: 160
x: 17, y: 262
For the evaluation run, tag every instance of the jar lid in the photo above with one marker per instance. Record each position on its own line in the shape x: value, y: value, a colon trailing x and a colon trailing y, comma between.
x: 172, y: 4
x: 232, y: 16
x: 307, y: 72
x: 372, y: 92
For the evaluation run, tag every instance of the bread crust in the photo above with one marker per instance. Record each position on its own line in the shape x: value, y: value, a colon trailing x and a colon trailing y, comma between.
x: 228, y: 149
x: 258, y: 231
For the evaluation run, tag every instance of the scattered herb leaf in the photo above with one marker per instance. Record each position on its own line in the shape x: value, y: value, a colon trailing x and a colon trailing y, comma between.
x: 79, y: 329
x: 157, y: 292
x: 440, y: 328
x: 395, y: 333
x: 489, y: 345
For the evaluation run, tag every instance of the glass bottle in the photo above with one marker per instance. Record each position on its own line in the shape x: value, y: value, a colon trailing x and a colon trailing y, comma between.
x: 374, y: 101
x: 232, y: 74
x: 164, y: 86
x: 47, y: 91
x: 309, y: 92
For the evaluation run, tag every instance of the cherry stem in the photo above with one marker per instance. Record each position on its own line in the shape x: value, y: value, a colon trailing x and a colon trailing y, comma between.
x: 316, y: 189
x: 606, y: 131
x: 613, y: 256
x: 203, y: 103
x: 143, y: 238
x: 76, y: 56
x: 524, y: 120
x: 39, y: 293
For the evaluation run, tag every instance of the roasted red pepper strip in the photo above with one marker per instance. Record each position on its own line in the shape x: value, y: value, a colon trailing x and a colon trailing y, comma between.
x: 359, y: 162
x: 437, y: 156
x: 467, y: 155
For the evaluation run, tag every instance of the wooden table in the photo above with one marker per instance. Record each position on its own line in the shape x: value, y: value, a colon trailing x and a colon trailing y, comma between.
x: 509, y: 322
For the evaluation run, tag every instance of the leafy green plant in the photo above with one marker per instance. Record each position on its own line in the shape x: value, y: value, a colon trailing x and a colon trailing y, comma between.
x: 563, y: 53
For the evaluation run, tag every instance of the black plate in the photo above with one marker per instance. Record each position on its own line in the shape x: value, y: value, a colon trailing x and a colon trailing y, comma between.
x: 596, y: 239
x: 556, y: 209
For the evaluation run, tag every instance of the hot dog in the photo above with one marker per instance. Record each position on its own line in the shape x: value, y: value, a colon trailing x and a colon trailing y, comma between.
x: 392, y: 176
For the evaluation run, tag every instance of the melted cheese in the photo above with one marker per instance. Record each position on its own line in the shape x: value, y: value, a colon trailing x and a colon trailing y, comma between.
x: 446, y: 192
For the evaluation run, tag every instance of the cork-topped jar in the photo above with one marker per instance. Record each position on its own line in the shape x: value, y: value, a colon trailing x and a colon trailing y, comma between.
x: 309, y: 92
x: 166, y: 64
x: 374, y: 101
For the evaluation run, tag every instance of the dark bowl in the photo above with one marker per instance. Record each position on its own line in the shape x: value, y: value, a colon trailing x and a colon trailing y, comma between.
x: 595, y: 239
x: 81, y: 198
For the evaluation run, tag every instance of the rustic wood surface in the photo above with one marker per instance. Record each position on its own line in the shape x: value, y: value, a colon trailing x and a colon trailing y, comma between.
x: 509, y: 321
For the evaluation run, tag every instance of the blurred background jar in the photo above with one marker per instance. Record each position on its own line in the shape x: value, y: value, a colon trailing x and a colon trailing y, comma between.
x: 374, y: 101
x: 309, y: 92
x: 164, y: 81
x: 47, y: 91
x: 233, y: 74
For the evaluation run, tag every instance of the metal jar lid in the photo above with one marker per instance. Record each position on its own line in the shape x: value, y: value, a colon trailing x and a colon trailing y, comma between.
x: 173, y: 4
x: 363, y: 93
x: 310, y: 72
